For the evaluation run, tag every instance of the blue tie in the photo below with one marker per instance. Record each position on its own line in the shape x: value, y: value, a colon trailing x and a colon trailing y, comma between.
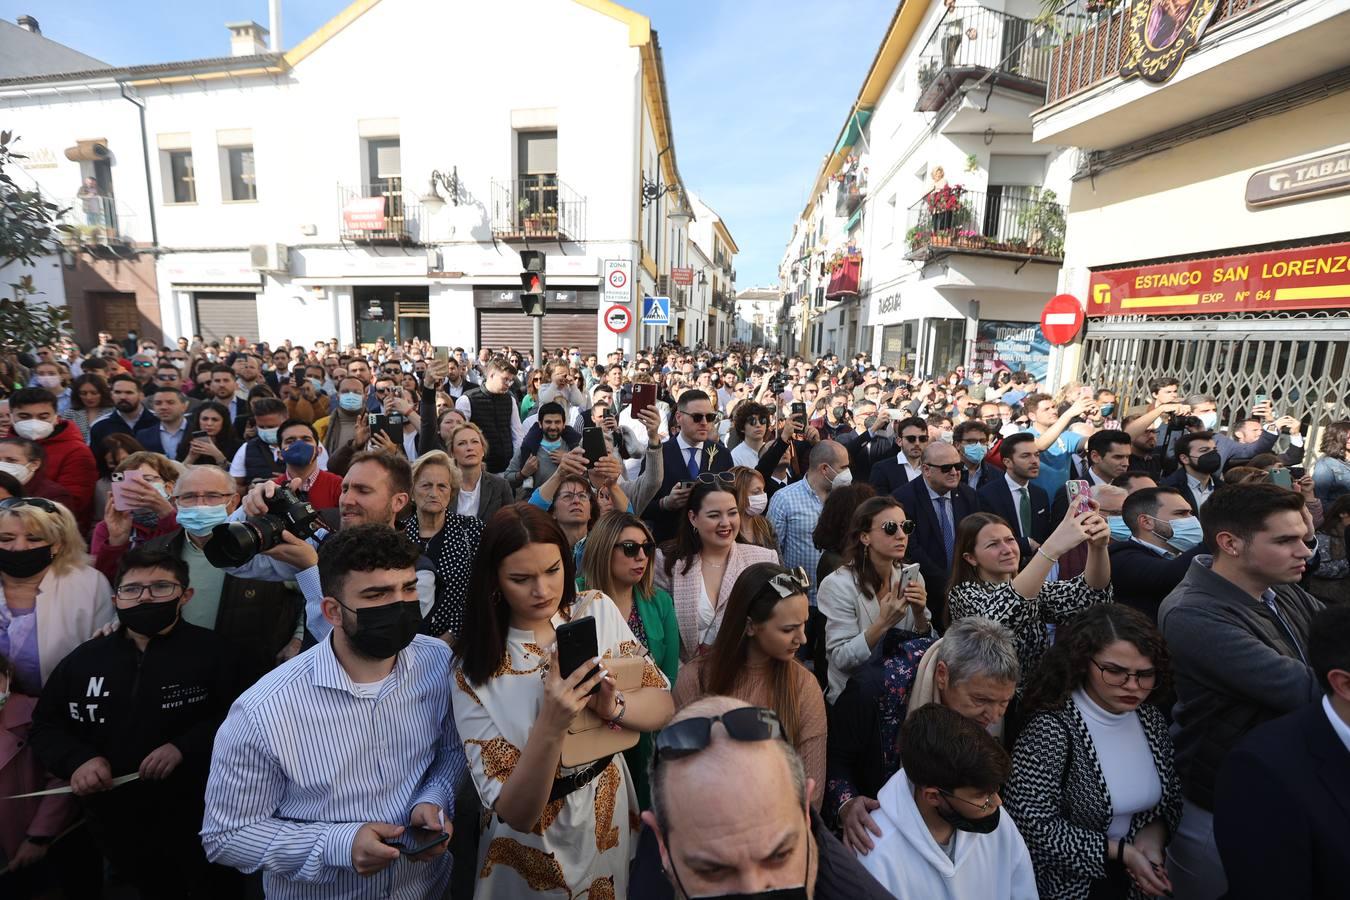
x: 693, y: 462
x: 945, y: 520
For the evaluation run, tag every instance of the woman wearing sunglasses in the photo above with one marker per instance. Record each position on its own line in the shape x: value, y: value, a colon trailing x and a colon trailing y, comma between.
x: 618, y: 562
x: 1093, y: 787
x: 553, y: 830
x: 862, y: 600
x: 754, y: 659
x: 986, y: 582
x: 43, y: 563
x: 702, y: 564
x: 751, y: 425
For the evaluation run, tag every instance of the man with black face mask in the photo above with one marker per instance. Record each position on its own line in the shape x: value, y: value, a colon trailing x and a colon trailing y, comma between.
x: 343, y: 762
x: 1200, y: 462
x: 942, y: 832
x: 141, y: 705
x: 730, y: 816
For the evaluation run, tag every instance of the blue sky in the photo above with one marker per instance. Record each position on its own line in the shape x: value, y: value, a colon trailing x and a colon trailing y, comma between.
x: 758, y: 88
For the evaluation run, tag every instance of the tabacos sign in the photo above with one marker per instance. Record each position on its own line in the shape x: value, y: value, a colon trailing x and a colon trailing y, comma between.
x: 1302, y: 278
x: 1161, y: 33
x: 1326, y: 174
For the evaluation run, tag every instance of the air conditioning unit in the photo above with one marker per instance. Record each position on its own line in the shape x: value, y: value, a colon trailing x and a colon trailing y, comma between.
x: 270, y: 257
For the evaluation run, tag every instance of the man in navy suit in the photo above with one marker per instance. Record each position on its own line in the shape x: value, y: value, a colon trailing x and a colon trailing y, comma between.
x: 1198, y: 455
x: 224, y: 387
x: 1282, y: 801
x: 971, y: 439
x: 937, y: 502
x: 691, y: 451
x: 889, y: 475
x: 170, y: 407
x: 1029, y: 511
x: 1108, y: 457
x: 129, y: 416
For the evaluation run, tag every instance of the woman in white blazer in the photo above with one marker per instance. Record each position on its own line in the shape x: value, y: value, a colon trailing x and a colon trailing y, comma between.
x: 51, y: 598
x: 858, y: 599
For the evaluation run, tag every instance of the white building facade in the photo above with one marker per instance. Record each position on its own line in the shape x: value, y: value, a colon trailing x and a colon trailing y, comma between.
x: 935, y: 231
x: 1209, y: 220
x: 291, y: 195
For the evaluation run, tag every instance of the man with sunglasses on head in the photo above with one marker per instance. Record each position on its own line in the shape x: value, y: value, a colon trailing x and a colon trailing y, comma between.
x: 911, y: 439
x: 143, y: 701
x: 691, y: 451
x: 731, y: 816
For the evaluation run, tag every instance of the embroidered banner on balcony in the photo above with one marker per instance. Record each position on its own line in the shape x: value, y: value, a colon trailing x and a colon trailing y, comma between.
x: 364, y: 214
x: 1304, y: 278
x: 1161, y: 33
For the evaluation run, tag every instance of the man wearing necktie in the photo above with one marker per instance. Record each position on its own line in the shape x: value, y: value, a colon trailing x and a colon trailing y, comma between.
x: 1023, y: 505
x: 937, y: 501
x: 690, y: 451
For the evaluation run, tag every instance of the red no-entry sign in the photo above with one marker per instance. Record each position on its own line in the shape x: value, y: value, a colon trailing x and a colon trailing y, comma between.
x: 1062, y: 319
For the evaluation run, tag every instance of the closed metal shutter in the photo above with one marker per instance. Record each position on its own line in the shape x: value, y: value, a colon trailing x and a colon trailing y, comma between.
x: 227, y: 315
x: 497, y: 329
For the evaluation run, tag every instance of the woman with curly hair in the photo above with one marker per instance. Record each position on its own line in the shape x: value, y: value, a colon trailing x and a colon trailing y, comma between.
x: 751, y: 424
x: 1331, y: 474
x: 1093, y: 787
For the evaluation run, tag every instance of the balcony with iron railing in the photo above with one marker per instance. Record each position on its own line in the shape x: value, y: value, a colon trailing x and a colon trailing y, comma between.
x: 1092, y: 39
x: 1002, y: 222
x: 537, y: 207
x: 96, y: 222
x: 973, y: 43
x: 379, y: 213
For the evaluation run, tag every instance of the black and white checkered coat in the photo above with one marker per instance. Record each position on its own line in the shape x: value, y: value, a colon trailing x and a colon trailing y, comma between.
x: 1059, y: 799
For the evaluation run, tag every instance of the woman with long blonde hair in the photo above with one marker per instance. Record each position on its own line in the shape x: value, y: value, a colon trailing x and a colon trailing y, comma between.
x: 43, y: 560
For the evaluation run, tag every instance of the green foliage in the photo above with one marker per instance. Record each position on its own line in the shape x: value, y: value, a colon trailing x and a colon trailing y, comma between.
x: 1042, y: 220
x: 29, y: 230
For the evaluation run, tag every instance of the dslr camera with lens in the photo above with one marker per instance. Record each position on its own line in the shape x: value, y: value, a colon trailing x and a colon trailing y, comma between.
x: 235, y: 543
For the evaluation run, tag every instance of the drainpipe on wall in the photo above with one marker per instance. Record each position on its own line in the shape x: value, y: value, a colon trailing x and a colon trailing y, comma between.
x: 145, y: 155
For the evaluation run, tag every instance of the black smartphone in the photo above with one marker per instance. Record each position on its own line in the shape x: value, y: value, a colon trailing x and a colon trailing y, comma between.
x: 200, y: 436
x: 799, y: 409
x: 1297, y: 472
x: 418, y: 840
x: 391, y: 424
x: 577, y: 646
x: 593, y: 443
x: 644, y: 397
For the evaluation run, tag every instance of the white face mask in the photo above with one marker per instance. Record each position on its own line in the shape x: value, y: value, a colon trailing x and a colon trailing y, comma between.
x: 842, y: 478
x: 50, y: 382
x: 33, y: 429
x: 755, y: 504
x: 20, y: 473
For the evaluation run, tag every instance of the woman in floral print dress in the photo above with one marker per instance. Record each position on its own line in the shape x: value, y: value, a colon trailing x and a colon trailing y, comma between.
x: 512, y: 709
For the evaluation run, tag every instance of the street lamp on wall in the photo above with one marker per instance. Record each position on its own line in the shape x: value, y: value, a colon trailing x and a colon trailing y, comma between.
x: 432, y: 199
x: 652, y: 191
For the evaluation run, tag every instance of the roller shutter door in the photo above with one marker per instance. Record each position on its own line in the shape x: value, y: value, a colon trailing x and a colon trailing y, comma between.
x: 498, y: 328
x: 228, y: 315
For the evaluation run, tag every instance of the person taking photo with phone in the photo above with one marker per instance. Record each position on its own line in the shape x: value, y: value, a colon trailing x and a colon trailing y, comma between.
x: 551, y: 827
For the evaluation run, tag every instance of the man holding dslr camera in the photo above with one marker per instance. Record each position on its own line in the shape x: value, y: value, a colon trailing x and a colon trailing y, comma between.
x: 276, y: 536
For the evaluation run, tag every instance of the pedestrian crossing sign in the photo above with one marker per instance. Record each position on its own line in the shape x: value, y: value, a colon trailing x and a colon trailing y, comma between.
x: 655, y: 310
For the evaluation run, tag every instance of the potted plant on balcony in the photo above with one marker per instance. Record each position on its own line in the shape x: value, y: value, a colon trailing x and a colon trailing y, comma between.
x: 548, y: 220
x: 1042, y: 220
x: 927, y: 73
x: 918, y: 237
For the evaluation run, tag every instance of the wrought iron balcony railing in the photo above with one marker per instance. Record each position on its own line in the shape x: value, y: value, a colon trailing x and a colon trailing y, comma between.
x: 1022, y: 221
x: 379, y: 213
x: 974, y: 42
x: 95, y: 220
x: 537, y: 207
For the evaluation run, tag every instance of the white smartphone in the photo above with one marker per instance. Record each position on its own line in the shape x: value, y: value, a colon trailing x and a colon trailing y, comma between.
x: 902, y: 575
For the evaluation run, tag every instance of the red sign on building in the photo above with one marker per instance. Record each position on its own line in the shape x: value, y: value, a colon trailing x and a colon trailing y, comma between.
x: 364, y: 214
x: 1303, y: 278
x: 1062, y: 319
x: 682, y: 276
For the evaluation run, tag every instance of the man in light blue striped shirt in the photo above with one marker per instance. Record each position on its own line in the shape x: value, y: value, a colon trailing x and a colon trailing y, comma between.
x: 324, y: 767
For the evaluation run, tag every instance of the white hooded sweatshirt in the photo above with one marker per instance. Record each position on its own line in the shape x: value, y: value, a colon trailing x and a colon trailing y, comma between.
x: 912, y: 866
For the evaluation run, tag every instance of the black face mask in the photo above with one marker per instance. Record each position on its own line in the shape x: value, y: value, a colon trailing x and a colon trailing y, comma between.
x: 790, y: 893
x: 25, y: 563
x: 383, y: 631
x: 1208, y: 463
x: 975, y: 826
x: 150, y: 618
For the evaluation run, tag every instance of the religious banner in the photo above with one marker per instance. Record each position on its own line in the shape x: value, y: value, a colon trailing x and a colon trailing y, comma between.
x: 1161, y: 33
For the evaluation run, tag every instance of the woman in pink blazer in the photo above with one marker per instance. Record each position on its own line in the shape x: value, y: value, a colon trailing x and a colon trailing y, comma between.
x: 701, y: 565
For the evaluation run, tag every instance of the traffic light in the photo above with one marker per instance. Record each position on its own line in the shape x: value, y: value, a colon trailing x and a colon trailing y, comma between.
x: 532, y: 283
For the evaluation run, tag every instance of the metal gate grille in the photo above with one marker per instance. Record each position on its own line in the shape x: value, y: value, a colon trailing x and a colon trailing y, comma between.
x: 1302, y: 364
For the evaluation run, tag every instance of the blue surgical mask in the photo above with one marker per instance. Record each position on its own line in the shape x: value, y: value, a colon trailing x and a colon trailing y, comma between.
x: 268, y: 435
x: 199, y: 520
x: 351, y: 402
x: 1107, y: 409
x: 315, y: 383
x: 551, y: 446
x: 298, y: 454
x: 974, y: 452
x: 1119, y: 530
x: 1186, y: 533
x: 1208, y: 419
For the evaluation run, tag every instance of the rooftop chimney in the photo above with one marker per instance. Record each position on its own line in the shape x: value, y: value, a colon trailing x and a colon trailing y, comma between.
x: 247, y: 38
x: 28, y: 23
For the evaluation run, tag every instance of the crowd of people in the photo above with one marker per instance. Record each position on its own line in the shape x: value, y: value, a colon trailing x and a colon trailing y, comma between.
x: 409, y: 622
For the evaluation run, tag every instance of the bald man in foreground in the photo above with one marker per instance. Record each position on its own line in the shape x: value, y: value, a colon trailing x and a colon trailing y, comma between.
x: 730, y: 815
